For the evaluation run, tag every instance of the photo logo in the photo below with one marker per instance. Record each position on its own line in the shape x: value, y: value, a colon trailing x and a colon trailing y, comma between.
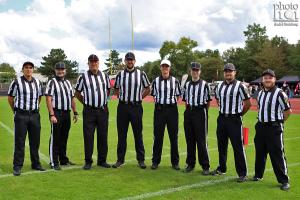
x: 285, y: 14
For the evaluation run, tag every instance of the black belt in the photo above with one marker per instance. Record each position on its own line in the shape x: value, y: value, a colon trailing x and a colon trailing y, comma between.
x: 201, y: 107
x: 131, y: 103
x: 96, y: 108
x: 271, y: 123
x: 162, y: 106
x: 229, y: 115
x: 26, y: 111
x: 61, y: 111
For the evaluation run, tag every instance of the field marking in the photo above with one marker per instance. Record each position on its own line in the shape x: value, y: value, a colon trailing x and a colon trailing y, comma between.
x: 189, y: 186
x: 43, y: 156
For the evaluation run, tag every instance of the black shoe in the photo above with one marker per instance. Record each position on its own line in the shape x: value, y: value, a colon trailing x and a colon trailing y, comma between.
x: 205, y: 172
x: 104, y: 164
x: 154, y: 166
x: 39, y: 168
x: 255, y: 178
x: 142, y: 165
x: 188, y: 169
x: 241, y: 179
x: 17, y: 171
x: 217, y: 172
x: 67, y: 163
x: 176, y: 167
x: 285, y: 186
x: 117, y: 164
x: 87, y: 166
x: 56, y: 167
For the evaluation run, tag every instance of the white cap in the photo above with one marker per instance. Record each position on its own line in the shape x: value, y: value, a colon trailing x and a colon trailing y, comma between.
x: 166, y: 62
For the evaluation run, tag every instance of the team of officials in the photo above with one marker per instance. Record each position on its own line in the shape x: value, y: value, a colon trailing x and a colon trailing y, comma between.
x: 131, y: 86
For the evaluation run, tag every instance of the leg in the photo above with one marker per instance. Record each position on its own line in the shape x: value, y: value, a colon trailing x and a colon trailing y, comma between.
x: 64, y: 138
x: 34, y: 132
x: 102, y: 128
x: 136, y: 116
x: 54, y: 143
x: 222, y: 137
x: 172, y: 126
x: 159, y: 129
x: 122, y: 126
x: 89, y: 125
x: 189, y: 131
x: 260, y: 151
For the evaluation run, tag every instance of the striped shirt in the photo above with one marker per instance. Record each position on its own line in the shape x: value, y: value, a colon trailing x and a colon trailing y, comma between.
x: 165, y: 91
x: 131, y: 85
x: 26, y: 93
x: 94, y: 88
x: 231, y: 97
x: 271, y: 105
x: 62, y: 93
x: 196, y: 93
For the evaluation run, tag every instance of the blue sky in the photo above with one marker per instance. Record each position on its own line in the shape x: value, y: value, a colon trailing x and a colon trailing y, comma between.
x: 30, y: 28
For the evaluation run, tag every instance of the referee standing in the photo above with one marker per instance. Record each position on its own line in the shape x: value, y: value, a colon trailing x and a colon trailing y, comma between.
x: 166, y: 91
x: 131, y: 86
x: 234, y: 101
x: 92, y: 90
x: 273, y: 110
x: 24, y: 96
x: 60, y: 100
x: 197, y: 98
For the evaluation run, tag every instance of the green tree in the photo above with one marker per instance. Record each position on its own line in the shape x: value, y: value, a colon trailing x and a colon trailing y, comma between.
x: 212, y: 68
x: 7, y: 73
x: 57, y: 55
x: 293, y: 58
x: 115, y: 62
x: 255, y: 38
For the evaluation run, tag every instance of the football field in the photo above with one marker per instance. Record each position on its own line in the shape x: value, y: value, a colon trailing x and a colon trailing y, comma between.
x: 131, y: 182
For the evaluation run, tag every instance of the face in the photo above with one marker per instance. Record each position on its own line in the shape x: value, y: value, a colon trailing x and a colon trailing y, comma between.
x: 60, y: 73
x: 229, y: 75
x: 93, y: 65
x: 165, y: 69
x: 268, y: 81
x: 130, y: 63
x: 195, y: 73
x: 27, y: 70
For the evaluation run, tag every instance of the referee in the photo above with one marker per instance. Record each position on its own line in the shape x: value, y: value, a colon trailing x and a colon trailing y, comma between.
x: 60, y: 100
x: 274, y: 109
x: 92, y: 90
x: 165, y: 90
x: 234, y: 101
x: 197, y: 99
x: 131, y: 86
x: 24, y: 96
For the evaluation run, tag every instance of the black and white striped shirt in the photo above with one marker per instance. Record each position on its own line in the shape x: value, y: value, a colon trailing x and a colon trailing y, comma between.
x: 26, y: 93
x: 62, y: 93
x: 231, y: 97
x: 165, y: 91
x: 131, y: 85
x: 196, y: 93
x: 94, y: 88
x: 271, y: 105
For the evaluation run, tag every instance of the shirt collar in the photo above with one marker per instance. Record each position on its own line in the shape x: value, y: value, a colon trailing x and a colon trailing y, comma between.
x: 23, y: 77
x: 127, y: 71
x: 161, y: 78
x: 59, y: 79
x: 270, y: 90
x: 90, y: 72
x: 232, y: 82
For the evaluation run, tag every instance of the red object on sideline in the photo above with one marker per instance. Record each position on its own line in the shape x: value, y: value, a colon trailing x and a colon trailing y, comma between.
x: 245, y: 135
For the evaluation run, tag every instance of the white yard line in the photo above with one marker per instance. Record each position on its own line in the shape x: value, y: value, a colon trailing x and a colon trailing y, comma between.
x: 189, y: 186
x: 43, y: 156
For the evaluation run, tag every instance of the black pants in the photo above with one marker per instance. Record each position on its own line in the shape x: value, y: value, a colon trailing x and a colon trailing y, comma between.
x: 165, y: 116
x: 269, y: 139
x: 27, y: 122
x: 59, y: 138
x: 92, y: 119
x: 231, y: 127
x: 134, y: 114
x: 195, y: 127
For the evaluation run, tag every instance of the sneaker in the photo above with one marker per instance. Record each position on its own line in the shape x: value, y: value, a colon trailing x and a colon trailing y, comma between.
x: 188, y: 169
x: 255, y: 178
x: 117, y: 164
x: 217, y: 172
x: 205, y: 172
x: 142, y: 165
x: 87, y: 166
x: 154, y: 166
x: 104, y: 164
x: 176, y: 167
x: 56, y: 167
x: 17, y: 171
x: 285, y: 186
x: 67, y: 163
x: 38, y: 168
x: 241, y: 179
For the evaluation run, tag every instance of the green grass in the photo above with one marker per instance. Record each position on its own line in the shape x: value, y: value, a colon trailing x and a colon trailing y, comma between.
x: 129, y: 180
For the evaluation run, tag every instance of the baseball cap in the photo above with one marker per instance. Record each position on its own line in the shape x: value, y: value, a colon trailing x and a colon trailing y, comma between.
x: 129, y: 55
x: 60, y: 65
x: 93, y: 57
x: 195, y: 65
x: 165, y: 62
x: 269, y: 72
x: 229, y: 66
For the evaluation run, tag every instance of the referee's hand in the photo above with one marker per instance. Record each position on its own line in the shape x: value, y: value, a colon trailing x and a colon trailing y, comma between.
x: 53, y: 120
x: 75, y: 118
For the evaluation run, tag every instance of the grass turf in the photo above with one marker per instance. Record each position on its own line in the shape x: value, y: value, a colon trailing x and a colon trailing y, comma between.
x: 129, y: 180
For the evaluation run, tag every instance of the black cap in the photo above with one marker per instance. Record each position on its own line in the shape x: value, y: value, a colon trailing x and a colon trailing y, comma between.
x: 93, y: 57
x: 129, y: 55
x: 60, y: 65
x: 27, y: 63
x: 269, y: 72
x: 229, y: 66
x: 195, y: 65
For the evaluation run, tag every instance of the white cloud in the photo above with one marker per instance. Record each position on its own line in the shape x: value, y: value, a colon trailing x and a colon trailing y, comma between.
x: 81, y: 27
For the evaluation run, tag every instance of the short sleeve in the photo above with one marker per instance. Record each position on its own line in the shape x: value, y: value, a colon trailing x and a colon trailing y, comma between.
x: 284, y: 101
x: 49, y: 88
x: 41, y: 93
x: 12, y: 91
x: 177, y: 88
x: 117, y: 82
x: 108, y: 81
x: 244, y: 93
x: 79, y: 84
x: 184, y: 92
x: 145, y: 80
x: 207, y: 92
x: 217, y: 96
x: 153, y: 88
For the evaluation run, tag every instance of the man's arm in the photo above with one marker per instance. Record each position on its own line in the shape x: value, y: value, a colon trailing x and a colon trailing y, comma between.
x: 52, y: 117
x: 146, y: 91
x: 286, y: 114
x: 11, y: 102
x: 247, y: 105
x: 73, y: 106
x: 117, y: 92
x: 208, y: 105
x: 79, y: 96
